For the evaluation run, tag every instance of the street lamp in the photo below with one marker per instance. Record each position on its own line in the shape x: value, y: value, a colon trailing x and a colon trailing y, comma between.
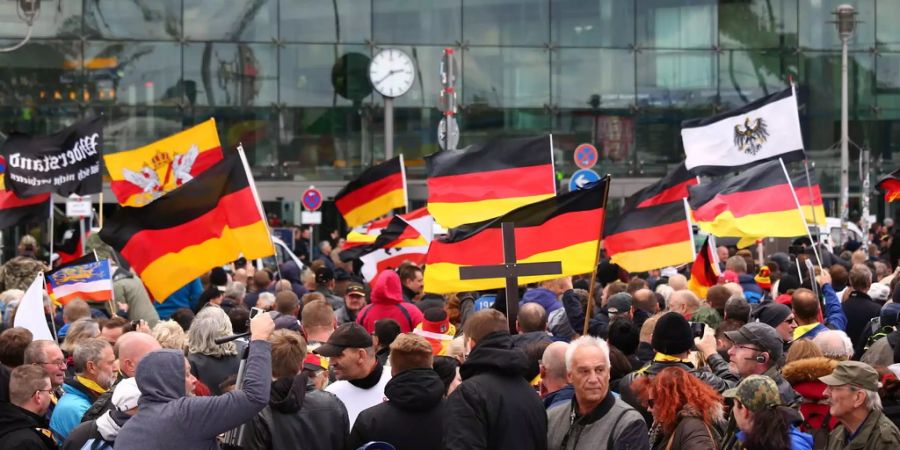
x: 846, y: 22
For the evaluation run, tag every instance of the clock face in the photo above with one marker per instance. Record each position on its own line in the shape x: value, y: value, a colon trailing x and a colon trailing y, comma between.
x: 392, y: 72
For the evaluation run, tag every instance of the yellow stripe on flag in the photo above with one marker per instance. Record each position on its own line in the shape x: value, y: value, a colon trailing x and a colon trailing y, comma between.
x: 174, y: 270
x: 644, y: 260
x: 451, y: 215
x: 376, y: 207
x: 443, y: 277
x: 771, y: 224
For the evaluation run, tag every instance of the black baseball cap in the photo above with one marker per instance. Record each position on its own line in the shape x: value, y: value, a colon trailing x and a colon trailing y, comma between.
x: 348, y: 335
x: 760, y: 335
x: 324, y: 275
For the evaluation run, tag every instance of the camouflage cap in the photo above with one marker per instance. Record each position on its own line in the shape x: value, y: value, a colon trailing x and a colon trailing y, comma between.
x: 756, y: 392
x: 856, y: 373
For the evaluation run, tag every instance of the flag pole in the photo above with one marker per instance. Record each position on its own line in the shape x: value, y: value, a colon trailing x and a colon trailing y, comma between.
x: 687, y: 213
x: 405, y: 190
x: 50, y: 257
x: 52, y: 315
x: 590, y: 303
x: 262, y: 212
x: 799, y: 209
x: 553, y: 167
x: 100, y: 215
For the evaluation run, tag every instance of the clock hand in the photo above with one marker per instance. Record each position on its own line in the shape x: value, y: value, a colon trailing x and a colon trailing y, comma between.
x: 386, y: 76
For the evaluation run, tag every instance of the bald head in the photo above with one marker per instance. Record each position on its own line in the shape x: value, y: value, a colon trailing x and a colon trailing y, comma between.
x: 554, y: 362
x: 532, y: 317
x: 805, y: 306
x: 644, y: 299
x: 684, y: 302
x: 678, y: 282
x: 131, y: 348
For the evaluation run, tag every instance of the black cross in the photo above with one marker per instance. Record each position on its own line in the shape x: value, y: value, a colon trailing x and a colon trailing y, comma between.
x: 511, y: 271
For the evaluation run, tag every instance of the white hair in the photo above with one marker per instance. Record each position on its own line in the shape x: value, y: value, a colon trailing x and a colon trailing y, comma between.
x: 834, y: 344
x: 586, y: 341
x: 266, y: 300
x: 210, y: 324
x: 873, y: 400
x: 665, y: 290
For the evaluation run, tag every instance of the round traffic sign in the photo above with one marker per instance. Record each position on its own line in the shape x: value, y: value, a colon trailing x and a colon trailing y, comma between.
x: 585, y: 156
x: 582, y: 178
x: 311, y: 199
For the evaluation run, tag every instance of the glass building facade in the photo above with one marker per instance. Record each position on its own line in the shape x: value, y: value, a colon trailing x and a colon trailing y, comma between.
x: 288, y: 78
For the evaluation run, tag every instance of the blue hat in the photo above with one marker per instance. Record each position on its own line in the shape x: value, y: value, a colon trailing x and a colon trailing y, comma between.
x: 889, y: 314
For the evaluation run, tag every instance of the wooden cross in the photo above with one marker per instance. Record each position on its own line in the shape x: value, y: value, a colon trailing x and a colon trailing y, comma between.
x: 511, y: 271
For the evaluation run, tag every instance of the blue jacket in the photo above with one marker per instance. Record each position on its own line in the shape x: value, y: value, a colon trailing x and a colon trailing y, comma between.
x: 543, y: 297
x: 186, y: 297
x: 834, y: 314
x: 559, y: 397
x: 69, y: 410
x: 752, y: 292
x: 799, y: 439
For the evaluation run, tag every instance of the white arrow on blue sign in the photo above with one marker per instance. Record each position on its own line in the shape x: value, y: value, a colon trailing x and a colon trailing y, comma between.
x: 582, y: 178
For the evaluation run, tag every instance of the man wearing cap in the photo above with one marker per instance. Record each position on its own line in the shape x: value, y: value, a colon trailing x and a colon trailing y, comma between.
x: 103, y: 430
x: 852, y: 393
x: 757, y: 350
x: 777, y: 316
x: 325, y: 285
x: 361, y: 379
x: 881, y: 352
x: 354, y: 301
x: 620, y: 306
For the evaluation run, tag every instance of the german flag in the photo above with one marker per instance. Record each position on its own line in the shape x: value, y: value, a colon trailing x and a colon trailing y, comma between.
x: 890, y: 184
x: 566, y: 228
x: 375, y: 192
x: 810, y: 197
x: 705, y: 271
x: 757, y: 203
x: 209, y: 221
x: 672, y: 188
x: 142, y: 175
x: 648, y: 238
x: 488, y: 180
x: 15, y: 210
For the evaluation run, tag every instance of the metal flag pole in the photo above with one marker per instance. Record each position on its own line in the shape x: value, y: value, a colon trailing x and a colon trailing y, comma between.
x: 405, y: 188
x: 687, y: 214
x: 50, y: 258
x: 259, y: 207
x: 590, y: 303
x: 800, y: 210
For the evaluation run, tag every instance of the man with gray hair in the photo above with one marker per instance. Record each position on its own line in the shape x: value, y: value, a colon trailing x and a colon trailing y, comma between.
x: 596, y: 418
x: 94, y: 374
x: 555, y: 388
x: 852, y: 394
x: 834, y: 344
x: 684, y: 302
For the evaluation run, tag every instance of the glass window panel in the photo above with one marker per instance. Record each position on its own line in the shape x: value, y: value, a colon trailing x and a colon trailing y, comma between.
x: 612, y: 132
x: 676, y: 23
x: 745, y: 76
x: 421, y: 22
x: 888, y: 85
x: 758, y: 24
x: 306, y: 74
x: 592, y: 23
x: 506, y: 22
x: 506, y: 77
x: 137, y: 19
x: 888, y: 33
x: 134, y: 73
x: 589, y: 78
x: 818, y: 32
x: 482, y: 123
x: 820, y: 80
x: 321, y: 21
x: 658, y: 138
x: 676, y: 78
x: 224, y: 74
x: 326, y: 143
x: 39, y: 119
x: 230, y: 20
x: 254, y: 128
x: 129, y: 127
x: 41, y: 73
x: 60, y: 18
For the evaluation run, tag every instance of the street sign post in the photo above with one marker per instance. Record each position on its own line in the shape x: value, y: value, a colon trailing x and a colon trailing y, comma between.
x: 585, y: 156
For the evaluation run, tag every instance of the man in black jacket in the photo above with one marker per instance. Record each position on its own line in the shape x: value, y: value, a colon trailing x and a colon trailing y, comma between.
x: 22, y: 425
x: 494, y: 407
x: 412, y: 418
x: 299, y: 416
x: 859, y: 307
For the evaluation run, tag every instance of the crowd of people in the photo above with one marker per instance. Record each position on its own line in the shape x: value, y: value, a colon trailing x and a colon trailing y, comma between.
x: 772, y: 357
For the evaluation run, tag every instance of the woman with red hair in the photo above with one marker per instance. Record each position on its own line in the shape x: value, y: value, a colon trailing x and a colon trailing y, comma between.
x: 684, y: 410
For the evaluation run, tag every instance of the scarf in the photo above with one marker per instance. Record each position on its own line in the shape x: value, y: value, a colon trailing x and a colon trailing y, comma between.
x: 369, y: 380
x: 90, y: 384
x: 803, y: 329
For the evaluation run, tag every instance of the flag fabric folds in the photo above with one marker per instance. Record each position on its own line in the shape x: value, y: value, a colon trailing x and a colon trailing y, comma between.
x: 810, y: 197
x: 488, y: 180
x: 30, y: 313
x: 399, y: 233
x: 16, y: 210
x: 705, y: 271
x: 760, y: 131
x: 70, y: 247
x: 758, y: 202
x: 375, y: 192
x: 87, y: 280
x: 209, y: 221
x: 390, y: 258
x: 653, y: 230
x: 890, y: 184
x: 142, y: 175
x: 565, y: 228
x: 648, y: 238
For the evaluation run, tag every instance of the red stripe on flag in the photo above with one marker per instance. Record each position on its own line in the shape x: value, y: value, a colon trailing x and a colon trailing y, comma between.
x: 493, y: 184
x: 649, y: 237
x: 771, y: 199
x: 674, y: 193
x: 369, y: 192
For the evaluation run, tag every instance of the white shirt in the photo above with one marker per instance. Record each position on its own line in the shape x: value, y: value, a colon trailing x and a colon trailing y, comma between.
x: 355, y: 399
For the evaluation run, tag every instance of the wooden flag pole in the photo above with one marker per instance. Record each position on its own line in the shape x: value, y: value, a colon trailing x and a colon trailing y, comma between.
x: 100, y: 215
x: 588, y: 314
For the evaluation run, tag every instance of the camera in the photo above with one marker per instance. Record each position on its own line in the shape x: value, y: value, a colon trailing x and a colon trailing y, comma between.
x: 255, y: 312
x: 697, y: 329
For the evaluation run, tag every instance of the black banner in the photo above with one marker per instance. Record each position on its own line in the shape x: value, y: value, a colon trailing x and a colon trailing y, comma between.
x: 65, y: 162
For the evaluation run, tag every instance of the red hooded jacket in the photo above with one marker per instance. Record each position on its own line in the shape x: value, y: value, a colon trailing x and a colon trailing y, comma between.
x: 387, y: 303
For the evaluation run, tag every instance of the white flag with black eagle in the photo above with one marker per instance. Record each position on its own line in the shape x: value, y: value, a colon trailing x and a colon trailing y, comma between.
x: 766, y: 129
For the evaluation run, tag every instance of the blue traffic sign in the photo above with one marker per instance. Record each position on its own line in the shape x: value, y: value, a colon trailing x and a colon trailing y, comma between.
x: 311, y: 199
x: 586, y: 156
x: 581, y: 178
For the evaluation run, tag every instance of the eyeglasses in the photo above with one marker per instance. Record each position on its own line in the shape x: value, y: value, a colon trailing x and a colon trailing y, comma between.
x: 58, y: 363
x: 748, y: 348
x: 44, y: 390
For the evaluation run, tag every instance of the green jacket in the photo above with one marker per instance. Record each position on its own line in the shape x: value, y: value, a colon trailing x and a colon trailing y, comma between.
x: 876, y: 433
x: 131, y: 291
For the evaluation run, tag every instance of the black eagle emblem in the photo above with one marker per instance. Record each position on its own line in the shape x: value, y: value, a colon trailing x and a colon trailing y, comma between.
x: 750, y: 136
